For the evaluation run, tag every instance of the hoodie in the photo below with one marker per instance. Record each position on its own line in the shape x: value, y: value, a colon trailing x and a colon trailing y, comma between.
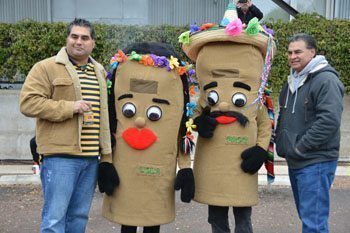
x: 311, y: 105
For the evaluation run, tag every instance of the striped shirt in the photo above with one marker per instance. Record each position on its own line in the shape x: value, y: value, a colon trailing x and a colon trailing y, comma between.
x: 90, y: 91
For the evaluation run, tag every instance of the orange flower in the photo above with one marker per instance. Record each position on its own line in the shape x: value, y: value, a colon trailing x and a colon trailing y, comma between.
x: 192, y: 90
x: 146, y: 60
x: 181, y: 70
x: 120, y: 56
x: 207, y: 26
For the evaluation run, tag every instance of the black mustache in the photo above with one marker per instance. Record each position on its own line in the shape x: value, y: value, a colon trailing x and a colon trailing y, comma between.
x: 242, y: 120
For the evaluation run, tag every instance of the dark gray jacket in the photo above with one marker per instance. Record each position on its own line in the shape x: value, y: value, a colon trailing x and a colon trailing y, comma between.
x: 312, y: 133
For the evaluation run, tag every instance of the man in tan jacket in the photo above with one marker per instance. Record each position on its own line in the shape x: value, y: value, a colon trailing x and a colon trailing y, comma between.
x: 67, y: 95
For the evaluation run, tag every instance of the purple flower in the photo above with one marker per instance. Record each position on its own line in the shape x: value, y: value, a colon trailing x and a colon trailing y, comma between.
x: 194, y: 28
x: 268, y: 30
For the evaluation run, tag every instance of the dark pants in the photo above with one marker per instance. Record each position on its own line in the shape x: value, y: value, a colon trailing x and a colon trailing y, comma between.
x: 133, y: 229
x: 218, y: 218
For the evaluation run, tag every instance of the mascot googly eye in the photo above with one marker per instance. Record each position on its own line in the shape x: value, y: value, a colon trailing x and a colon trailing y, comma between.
x: 239, y: 99
x: 213, y: 98
x: 129, y: 110
x: 154, y: 113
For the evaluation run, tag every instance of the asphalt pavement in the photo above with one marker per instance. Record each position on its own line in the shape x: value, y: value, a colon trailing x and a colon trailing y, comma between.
x: 21, y: 202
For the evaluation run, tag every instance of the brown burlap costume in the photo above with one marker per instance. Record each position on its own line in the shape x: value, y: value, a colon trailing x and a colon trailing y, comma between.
x: 149, y: 108
x: 229, y: 70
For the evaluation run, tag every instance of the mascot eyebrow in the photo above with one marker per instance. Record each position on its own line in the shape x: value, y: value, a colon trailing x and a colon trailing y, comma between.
x: 210, y: 85
x: 155, y: 100
x: 160, y: 101
x: 242, y: 85
x: 124, y: 96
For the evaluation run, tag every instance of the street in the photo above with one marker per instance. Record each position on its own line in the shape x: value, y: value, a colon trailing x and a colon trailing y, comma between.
x: 21, y: 205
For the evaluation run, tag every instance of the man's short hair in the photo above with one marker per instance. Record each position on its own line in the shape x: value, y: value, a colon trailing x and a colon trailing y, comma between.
x: 81, y: 23
x: 242, y: 1
x: 308, y: 39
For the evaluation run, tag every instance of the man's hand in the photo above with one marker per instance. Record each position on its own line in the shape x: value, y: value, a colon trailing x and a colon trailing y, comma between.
x: 205, y: 124
x: 185, y: 182
x: 81, y: 106
x: 108, y: 178
x: 33, y: 146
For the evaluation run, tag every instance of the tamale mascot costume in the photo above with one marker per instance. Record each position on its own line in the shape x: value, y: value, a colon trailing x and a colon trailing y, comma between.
x: 149, y: 93
x: 233, y: 124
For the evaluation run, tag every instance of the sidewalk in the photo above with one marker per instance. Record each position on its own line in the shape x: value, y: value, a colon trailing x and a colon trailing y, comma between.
x: 22, y: 174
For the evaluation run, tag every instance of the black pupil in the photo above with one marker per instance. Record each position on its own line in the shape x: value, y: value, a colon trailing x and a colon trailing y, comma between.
x: 211, y: 101
x: 153, y: 116
x: 128, y: 113
x: 239, y: 102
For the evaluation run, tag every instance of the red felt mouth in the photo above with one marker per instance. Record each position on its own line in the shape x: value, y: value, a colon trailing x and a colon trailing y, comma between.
x: 139, y: 139
x: 225, y: 120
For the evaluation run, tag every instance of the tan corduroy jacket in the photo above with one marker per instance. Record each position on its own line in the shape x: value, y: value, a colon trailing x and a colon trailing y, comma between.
x: 48, y: 94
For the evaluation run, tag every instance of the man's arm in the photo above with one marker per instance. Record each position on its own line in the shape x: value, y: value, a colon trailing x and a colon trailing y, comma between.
x: 35, y: 98
x: 256, y: 12
x: 329, y: 108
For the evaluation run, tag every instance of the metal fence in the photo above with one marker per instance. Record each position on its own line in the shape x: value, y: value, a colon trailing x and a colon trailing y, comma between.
x: 12, y: 11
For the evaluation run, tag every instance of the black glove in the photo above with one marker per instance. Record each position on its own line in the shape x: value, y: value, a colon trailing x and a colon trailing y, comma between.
x: 185, y: 182
x: 253, y: 158
x: 205, y: 124
x: 108, y: 178
x: 33, y: 146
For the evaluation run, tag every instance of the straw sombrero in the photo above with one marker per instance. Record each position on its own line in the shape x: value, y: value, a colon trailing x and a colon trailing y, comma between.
x: 254, y: 34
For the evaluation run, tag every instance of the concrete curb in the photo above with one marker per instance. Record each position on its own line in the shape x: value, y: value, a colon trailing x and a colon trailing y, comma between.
x: 22, y: 174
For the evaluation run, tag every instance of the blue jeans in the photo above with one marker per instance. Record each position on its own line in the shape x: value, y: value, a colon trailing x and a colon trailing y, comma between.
x: 218, y: 218
x: 311, y: 186
x: 68, y: 187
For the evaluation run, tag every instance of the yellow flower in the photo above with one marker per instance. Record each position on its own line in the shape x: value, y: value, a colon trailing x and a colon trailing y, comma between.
x: 173, y: 62
x: 190, y: 126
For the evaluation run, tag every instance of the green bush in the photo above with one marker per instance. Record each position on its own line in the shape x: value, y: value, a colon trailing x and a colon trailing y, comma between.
x: 24, y: 43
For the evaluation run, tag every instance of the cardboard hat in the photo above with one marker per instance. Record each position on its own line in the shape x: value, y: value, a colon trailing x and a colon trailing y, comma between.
x: 218, y: 33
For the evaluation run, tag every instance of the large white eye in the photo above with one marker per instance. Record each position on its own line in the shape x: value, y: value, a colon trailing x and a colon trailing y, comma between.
x: 239, y: 99
x: 154, y: 113
x: 213, y: 98
x: 129, y: 110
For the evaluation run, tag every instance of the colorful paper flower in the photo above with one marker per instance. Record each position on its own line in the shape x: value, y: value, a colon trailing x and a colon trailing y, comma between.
x: 173, y: 62
x: 268, y: 30
x: 181, y: 70
x: 234, y: 28
x: 192, y: 90
x: 146, y: 60
x: 190, y: 126
x: 224, y: 22
x: 194, y: 28
x: 185, y: 37
x: 134, y: 56
x: 253, y: 27
x: 207, y: 26
x: 121, y: 56
x: 189, y: 108
x: 109, y: 86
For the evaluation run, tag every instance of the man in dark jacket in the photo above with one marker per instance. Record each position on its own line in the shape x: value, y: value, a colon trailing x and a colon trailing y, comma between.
x: 246, y: 11
x: 308, y: 130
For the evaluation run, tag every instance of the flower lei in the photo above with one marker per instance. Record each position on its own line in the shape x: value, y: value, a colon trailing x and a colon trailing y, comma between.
x: 153, y: 60
x: 233, y: 28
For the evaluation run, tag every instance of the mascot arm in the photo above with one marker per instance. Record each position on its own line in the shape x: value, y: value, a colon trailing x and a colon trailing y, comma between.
x: 254, y: 157
x: 184, y: 178
x: 264, y: 128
